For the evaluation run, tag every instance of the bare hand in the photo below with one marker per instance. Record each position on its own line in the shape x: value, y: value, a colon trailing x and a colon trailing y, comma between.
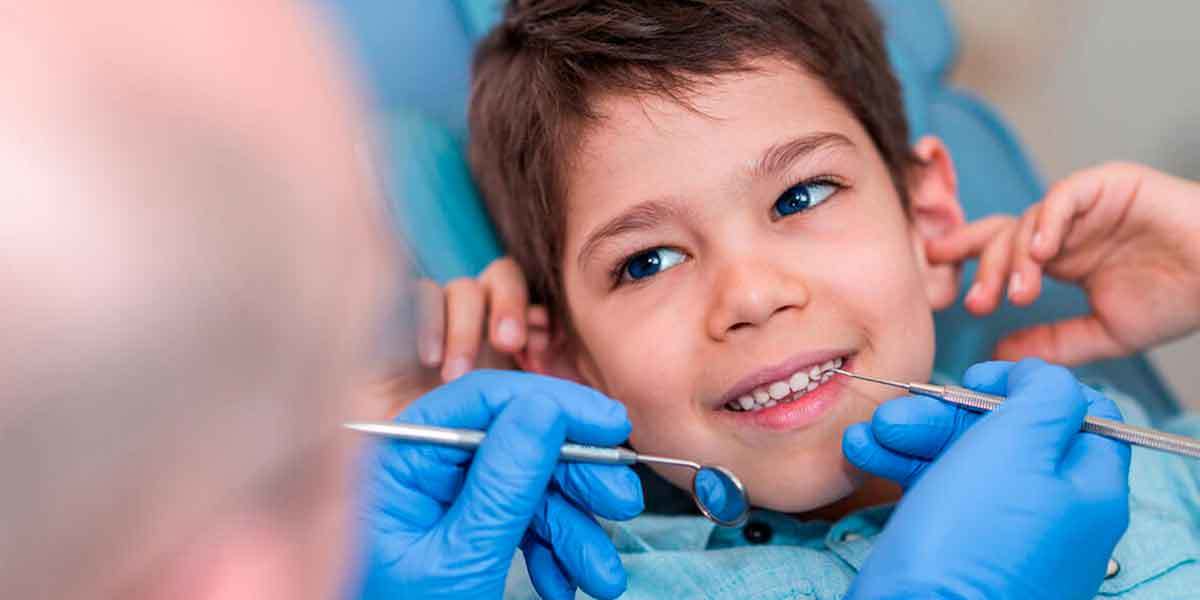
x: 1127, y: 234
x: 453, y: 318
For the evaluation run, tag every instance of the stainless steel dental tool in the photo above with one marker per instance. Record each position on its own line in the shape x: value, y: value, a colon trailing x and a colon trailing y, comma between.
x: 718, y: 493
x: 981, y: 402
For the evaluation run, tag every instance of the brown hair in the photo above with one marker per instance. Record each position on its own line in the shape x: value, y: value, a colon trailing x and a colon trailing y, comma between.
x: 538, y: 74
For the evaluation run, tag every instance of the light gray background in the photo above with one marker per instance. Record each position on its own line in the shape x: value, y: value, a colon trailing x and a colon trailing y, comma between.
x: 1085, y: 81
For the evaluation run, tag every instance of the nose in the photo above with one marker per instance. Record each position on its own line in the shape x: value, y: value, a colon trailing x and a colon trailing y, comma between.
x: 748, y: 292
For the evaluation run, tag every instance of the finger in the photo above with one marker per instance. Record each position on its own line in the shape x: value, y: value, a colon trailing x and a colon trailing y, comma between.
x: 435, y: 471
x: 538, y: 316
x: 432, y: 322
x: 508, y: 476
x: 581, y: 547
x: 1096, y: 465
x: 919, y: 426
x: 965, y: 242
x: 464, y: 326
x: 1068, y: 342
x: 1066, y: 199
x: 863, y: 451
x: 539, y: 329
x: 611, y: 491
x: 400, y: 495
x: 991, y: 275
x: 990, y: 377
x: 546, y: 574
x: 472, y: 402
x: 505, y: 289
x: 475, y: 400
x: 1046, y: 405
x: 1025, y: 280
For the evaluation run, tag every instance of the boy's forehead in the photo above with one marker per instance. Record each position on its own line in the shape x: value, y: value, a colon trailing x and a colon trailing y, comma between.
x: 649, y: 145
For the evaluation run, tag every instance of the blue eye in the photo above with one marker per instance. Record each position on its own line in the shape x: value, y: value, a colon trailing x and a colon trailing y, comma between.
x: 802, y: 196
x: 651, y: 262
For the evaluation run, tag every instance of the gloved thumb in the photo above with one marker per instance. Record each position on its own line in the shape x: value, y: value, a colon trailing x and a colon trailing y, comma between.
x: 508, y: 475
x: 510, y: 471
x: 1045, y: 407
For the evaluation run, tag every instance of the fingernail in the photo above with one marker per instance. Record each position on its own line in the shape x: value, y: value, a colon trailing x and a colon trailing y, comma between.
x: 507, y: 330
x: 1014, y: 285
x: 431, y: 351
x: 1037, y: 241
x: 975, y: 291
x: 456, y: 368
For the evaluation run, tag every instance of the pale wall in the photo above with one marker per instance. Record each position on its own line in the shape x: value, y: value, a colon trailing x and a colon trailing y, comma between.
x: 1084, y: 81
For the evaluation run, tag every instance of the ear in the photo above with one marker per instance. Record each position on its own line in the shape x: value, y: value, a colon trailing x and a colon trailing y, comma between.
x: 934, y: 211
x: 549, y: 350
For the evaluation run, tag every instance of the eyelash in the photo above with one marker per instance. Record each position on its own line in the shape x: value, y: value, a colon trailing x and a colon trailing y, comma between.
x: 833, y: 181
x: 617, y: 273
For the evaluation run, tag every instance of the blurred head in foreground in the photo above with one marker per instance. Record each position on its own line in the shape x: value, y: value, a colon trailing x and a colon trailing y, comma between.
x: 192, y: 270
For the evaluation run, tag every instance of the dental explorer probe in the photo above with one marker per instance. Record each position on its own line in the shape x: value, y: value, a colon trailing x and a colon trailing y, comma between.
x: 981, y: 402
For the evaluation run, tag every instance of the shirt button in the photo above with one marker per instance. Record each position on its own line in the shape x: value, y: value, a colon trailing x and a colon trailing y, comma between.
x: 757, y: 532
x: 1113, y: 568
x: 850, y: 536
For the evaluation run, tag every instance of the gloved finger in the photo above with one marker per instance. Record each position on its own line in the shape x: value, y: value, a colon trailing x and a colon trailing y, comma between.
x: 474, y: 400
x: 1096, y: 465
x: 392, y: 496
x: 919, y: 426
x: 611, y: 491
x: 508, y: 476
x: 990, y: 377
x: 545, y: 572
x: 393, y: 465
x: 1100, y: 405
x: 580, y: 546
x: 1046, y: 404
x: 864, y: 452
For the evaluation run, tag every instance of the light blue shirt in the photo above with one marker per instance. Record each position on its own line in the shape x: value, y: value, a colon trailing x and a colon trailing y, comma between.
x: 778, y: 556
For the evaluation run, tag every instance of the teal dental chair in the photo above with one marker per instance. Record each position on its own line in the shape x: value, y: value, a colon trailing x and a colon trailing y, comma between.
x: 416, y: 57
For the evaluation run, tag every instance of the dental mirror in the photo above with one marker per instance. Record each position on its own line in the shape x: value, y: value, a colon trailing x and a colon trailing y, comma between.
x: 718, y: 493
x: 720, y: 496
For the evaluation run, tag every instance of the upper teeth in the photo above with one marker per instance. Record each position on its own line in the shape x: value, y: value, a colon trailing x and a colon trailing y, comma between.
x: 785, y: 390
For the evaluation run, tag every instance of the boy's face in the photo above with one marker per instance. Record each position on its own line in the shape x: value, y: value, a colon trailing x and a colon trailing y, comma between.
x: 713, y: 252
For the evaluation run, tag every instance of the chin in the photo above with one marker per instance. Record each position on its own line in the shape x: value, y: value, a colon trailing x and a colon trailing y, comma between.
x: 803, y: 494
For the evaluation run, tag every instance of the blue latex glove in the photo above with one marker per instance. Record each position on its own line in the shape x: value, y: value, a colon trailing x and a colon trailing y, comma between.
x: 443, y: 523
x: 1012, y: 504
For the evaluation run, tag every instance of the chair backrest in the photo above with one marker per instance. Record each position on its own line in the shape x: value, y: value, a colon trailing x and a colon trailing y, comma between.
x: 417, y: 57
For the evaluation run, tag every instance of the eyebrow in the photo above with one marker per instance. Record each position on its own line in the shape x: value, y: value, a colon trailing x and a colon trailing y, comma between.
x: 779, y: 156
x: 642, y: 216
x: 648, y: 214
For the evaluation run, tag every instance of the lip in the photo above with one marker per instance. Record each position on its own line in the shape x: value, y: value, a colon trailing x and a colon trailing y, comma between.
x: 795, y: 414
x: 780, y: 371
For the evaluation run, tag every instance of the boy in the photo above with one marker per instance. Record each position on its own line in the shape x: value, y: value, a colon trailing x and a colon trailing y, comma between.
x: 717, y: 204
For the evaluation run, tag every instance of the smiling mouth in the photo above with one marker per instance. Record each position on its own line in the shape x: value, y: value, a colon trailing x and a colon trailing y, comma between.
x: 783, y: 391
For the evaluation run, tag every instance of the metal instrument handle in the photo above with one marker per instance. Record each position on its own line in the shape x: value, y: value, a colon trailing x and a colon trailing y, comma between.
x: 471, y: 438
x: 1131, y: 434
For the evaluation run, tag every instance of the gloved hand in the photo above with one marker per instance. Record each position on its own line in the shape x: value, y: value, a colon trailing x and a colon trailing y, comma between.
x: 1012, y: 504
x: 443, y: 523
